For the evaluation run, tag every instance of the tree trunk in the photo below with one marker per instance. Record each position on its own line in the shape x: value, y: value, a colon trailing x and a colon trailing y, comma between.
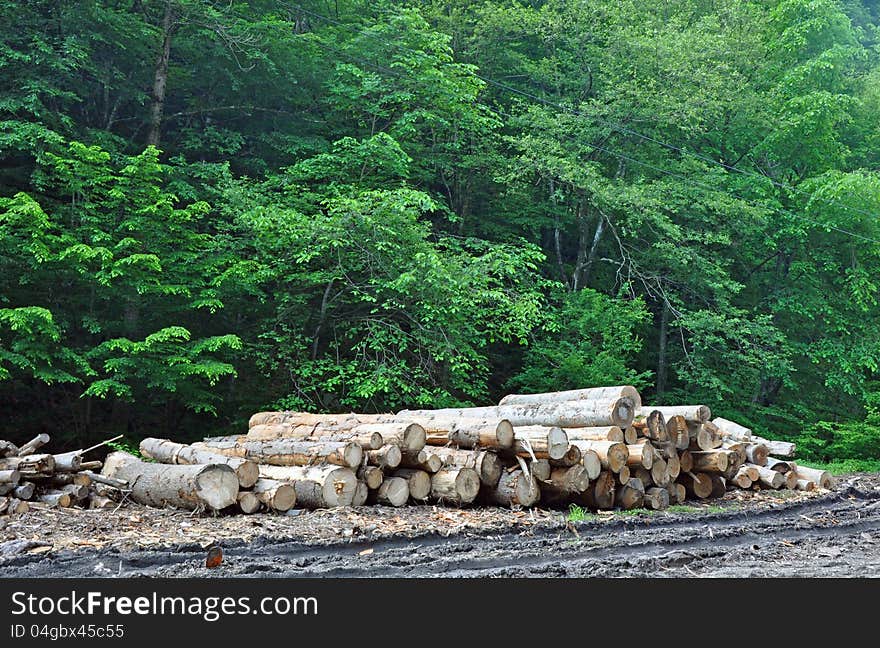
x: 540, y: 442
x: 427, y: 460
x: 361, y: 494
x: 733, y: 431
x: 540, y: 469
x: 712, y: 461
x: 30, y: 465
x: 487, y: 464
x: 770, y: 478
x: 630, y: 435
x: 571, y: 457
x: 777, y: 448
x: 685, y: 461
x: 757, y: 454
x: 289, y: 452
x: 213, y: 486
x: 515, y: 488
x: 677, y: 431
x: 468, y: 433
x: 169, y: 452
x: 741, y: 479
x: 160, y: 77
x: 455, y: 485
x: 661, y: 355
x: 779, y: 465
x: 601, y: 493
x: 10, y: 477
x: 316, y: 486
x: 367, y: 435
x: 276, y: 495
x: 624, y: 475
x: 567, y: 480
x: 592, y: 393
x: 660, y: 471
x: 24, y: 491
x: 419, y: 482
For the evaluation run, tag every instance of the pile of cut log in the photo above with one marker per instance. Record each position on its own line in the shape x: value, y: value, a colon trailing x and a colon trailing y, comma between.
x: 29, y: 475
x: 600, y: 448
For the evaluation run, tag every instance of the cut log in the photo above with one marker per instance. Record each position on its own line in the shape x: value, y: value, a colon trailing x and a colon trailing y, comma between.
x: 394, y: 491
x: 540, y: 442
x: 8, y: 449
x: 76, y: 491
x: 677, y: 431
x: 64, y: 479
x: 601, y: 493
x: 316, y: 486
x: 673, y: 467
x: 68, y: 462
x: 779, y: 465
x: 738, y: 448
x: 652, y: 425
x: 612, y: 455
x: 695, y: 413
x: 571, y: 457
x: 630, y: 435
x: 617, y: 411
x: 56, y: 499
x: 806, y: 485
x: 605, y: 433
x: 711, y: 461
x: 387, y: 457
x: 515, y: 488
x: 752, y: 471
x: 660, y: 471
x: 741, y: 479
x: 567, y: 480
x: 677, y: 492
x: 657, y: 498
x: 418, y: 481
x: 719, y: 485
x: 733, y: 431
x: 469, y: 433
x: 344, y: 421
x: 455, y: 485
x: 777, y: 448
x: 411, y: 437
x: 212, y: 486
x: 247, y: 502
x: 756, y: 453
x: 630, y: 495
x: 366, y: 435
x: 791, y: 480
x: 590, y: 460
x: 643, y: 475
x: 696, y: 484
x: 169, y: 452
x: 100, y: 502
x: 426, y: 459
x: 487, y: 464
x: 540, y: 469
x: 28, y: 465
x: 24, y: 491
x: 289, y: 452
x: 104, y: 479
x: 769, y: 477
x: 624, y: 475
x: 276, y: 495
x: 361, y: 494
x: 91, y: 465
x: 17, y: 506
x: 685, y: 461
x: 372, y: 476
x: 588, y: 394
x: 33, y: 445
x: 822, y: 478
x: 10, y: 477
x: 704, y: 436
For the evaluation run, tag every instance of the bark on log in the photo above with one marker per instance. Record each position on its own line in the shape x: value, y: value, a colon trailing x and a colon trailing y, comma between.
x: 394, y: 491
x: 695, y: 413
x: 10, y: 477
x: 418, y: 481
x: 719, y: 485
x: 33, y: 445
x: 91, y: 465
x: 657, y: 498
x: 652, y: 425
x: 756, y: 453
x: 738, y: 448
x: 515, y: 488
x: 100, y: 502
x: 427, y: 460
x: 540, y: 442
x: 612, y: 455
x: 704, y: 436
x: 487, y: 464
x: 602, y: 433
x: 68, y: 461
x: 8, y: 449
x: 677, y: 431
x: 411, y: 437
x: 591, y: 462
x: 276, y: 495
x: 779, y: 465
x: 28, y: 465
x: 339, y: 421
x: 366, y: 435
x: 56, y: 499
x: 624, y: 475
x: 822, y: 478
x: 104, y: 479
x: 640, y: 455
x: 677, y: 492
x: 591, y: 393
x: 591, y: 413
x: 769, y: 477
x: 630, y: 495
x: 316, y: 486
x: 777, y: 448
x: 388, y: 457
x: 212, y: 486
x: 571, y: 457
x: 752, y: 471
x: 65, y: 479
x: 169, y: 452
x: 697, y: 484
x: 806, y: 485
x: 567, y: 480
x: 24, y: 490
x: 469, y: 433
x: 456, y: 485
x: 601, y: 493
x: 288, y: 452
x: 685, y: 461
x: 711, y: 461
x: 248, y: 503
x: 791, y: 480
x: 741, y: 479
x: 372, y: 476
x: 733, y: 431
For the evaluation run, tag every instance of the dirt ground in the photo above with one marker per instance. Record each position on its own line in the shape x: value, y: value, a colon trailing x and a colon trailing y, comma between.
x: 761, y: 534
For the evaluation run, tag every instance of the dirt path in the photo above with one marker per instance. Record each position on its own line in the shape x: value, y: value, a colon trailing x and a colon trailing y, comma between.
x: 835, y: 534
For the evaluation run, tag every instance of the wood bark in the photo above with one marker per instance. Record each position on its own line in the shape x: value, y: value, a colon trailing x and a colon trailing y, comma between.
x: 100, y: 502
x: 651, y: 423
x: 468, y: 433
x: 169, y: 452
x: 643, y: 475
x: 55, y: 499
x: 160, y: 76
x: 316, y: 486
x: 592, y: 393
x: 455, y: 485
x: 68, y: 461
x: 418, y: 481
x: 213, y: 486
x: 515, y: 488
x: 288, y: 452
x: 276, y: 495
x: 367, y: 435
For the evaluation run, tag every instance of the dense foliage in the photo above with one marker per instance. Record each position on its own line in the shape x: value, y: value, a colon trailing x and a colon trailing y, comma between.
x: 209, y: 207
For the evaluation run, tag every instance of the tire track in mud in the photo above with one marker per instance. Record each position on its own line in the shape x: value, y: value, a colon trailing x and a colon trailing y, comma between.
x: 836, y: 534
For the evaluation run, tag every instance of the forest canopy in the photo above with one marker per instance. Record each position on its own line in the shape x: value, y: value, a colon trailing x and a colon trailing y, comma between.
x: 210, y: 207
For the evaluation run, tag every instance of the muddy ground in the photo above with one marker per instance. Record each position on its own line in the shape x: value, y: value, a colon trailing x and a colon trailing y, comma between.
x: 765, y: 534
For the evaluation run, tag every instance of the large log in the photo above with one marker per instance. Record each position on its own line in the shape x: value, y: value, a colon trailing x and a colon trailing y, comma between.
x: 316, y: 486
x: 411, y: 437
x: 468, y: 433
x: 742, y: 478
x: 212, y: 486
x: 590, y: 393
x: 660, y: 471
x: 10, y: 477
x: 366, y: 435
x: 288, y: 452
x: 612, y: 455
x: 169, y: 452
x: 591, y: 462
x: 630, y: 495
x: 276, y: 495
x: 515, y: 488
x: 567, y: 480
x: 33, y: 445
x: 387, y: 457
x: 394, y: 491
x: 695, y: 413
x: 677, y: 430
x: 770, y: 478
x: 338, y: 421
x: 821, y: 478
x: 601, y: 493
x: 603, y: 433
x: 590, y: 413
x: 540, y: 442
x: 698, y: 485
x: 455, y: 485
x: 419, y: 482
x: 487, y: 464
x: 657, y: 498
x: 733, y: 431
x: 711, y: 461
x: 704, y: 436
x: 640, y: 454
x: 779, y: 465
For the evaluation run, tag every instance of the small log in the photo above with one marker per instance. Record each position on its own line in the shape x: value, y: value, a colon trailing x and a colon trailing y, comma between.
x: 656, y: 498
x: 100, y: 502
x: 777, y: 448
x: 791, y: 480
x: 643, y: 475
x: 387, y: 457
x: 612, y: 455
x: 469, y: 433
x: 698, y: 484
x: 630, y: 495
x: 394, y: 491
x: 29, y: 465
x: 741, y: 479
x: 426, y: 459
x: 733, y: 431
x: 677, y: 492
x: 591, y: 393
x: 605, y: 433
x: 806, y: 485
x: 821, y: 478
x: 487, y: 464
x: 660, y: 471
x: 248, y: 503
x: 33, y: 445
x: 316, y: 486
x: 738, y: 448
x: 591, y: 462
x: 719, y: 485
x: 630, y: 435
x: 372, y: 476
x: 572, y: 456
x: 288, y: 452
x: 418, y: 481
x: 366, y: 435
x: 91, y: 465
x: 64, y: 479
x: 567, y: 480
x: 640, y: 455
x: 769, y: 477
x: 752, y: 471
x: 541, y: 442
x: 76, y: 491
x: 17, y: 506
x: 677, y: 430
x: 515, y: 488
x: 780, y: 466
x: 673, y: 467
x: 685, y: 461
x: 68, y: 461
x: 624, y: 475
x: 756, y: 453
x: 169, y: 452
x: 104, y: 479
x: 55, y: 499
x: 24, y: 491
x: 213, y: 486
x: 714, y: 461
x: 601, y: 493
x: 276, y: 495
x: 704, y: 436
x: 455, y: 485
x: 652, y: 425
x: 8, y: 449
x: 411, y: 437
x: 695, y: 413
x: 10, y: 477
x: 361, y: 494
x: 540, y: 469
